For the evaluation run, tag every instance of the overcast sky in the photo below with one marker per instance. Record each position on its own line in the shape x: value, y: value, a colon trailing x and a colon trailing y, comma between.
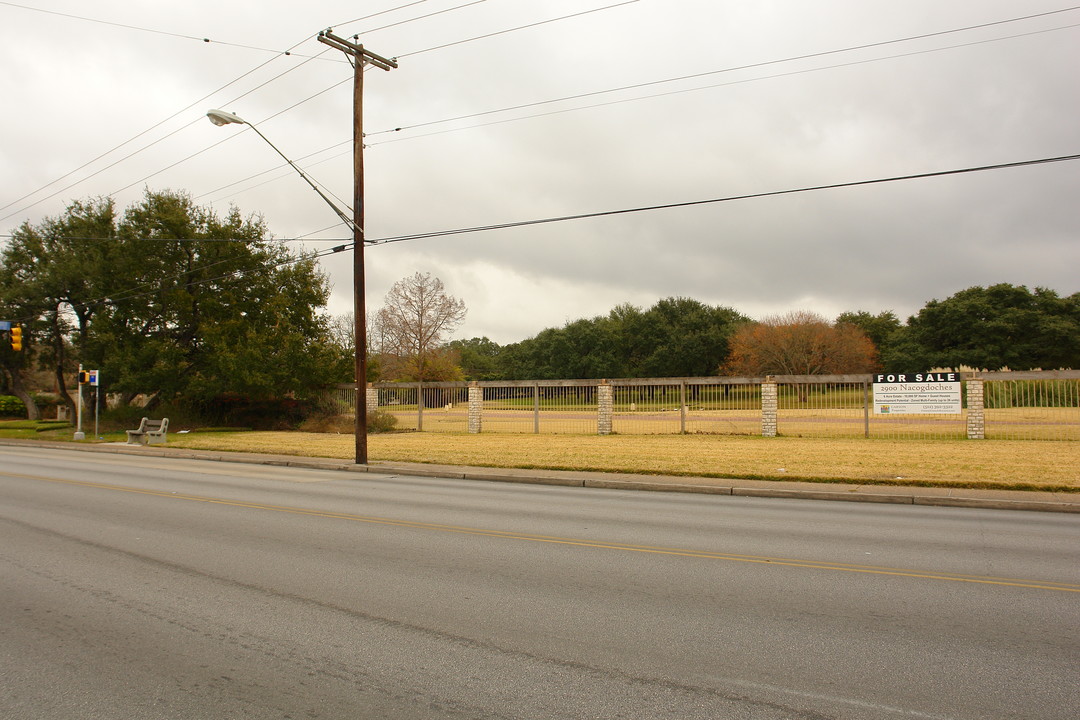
x: 776, y: 95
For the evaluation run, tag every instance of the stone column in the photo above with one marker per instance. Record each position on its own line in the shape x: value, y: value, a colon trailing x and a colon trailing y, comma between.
x: 476, y: 407
x: 768, y: 407
x: 976, y: 415
x: 605, y: 397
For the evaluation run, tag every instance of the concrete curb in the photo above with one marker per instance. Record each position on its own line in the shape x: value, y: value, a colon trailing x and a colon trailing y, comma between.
x: 940, y: 497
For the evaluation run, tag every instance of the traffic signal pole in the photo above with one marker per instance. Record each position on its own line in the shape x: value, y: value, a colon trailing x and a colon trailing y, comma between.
x: 79, y: 434
x: 359, y: 57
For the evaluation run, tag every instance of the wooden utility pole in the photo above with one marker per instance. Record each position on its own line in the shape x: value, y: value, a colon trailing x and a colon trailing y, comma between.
x: 359, y: 57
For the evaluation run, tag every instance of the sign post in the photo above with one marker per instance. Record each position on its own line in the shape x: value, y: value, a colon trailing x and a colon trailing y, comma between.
x: 93, y: 378
x: 79, y: 434
x: 929, y: 393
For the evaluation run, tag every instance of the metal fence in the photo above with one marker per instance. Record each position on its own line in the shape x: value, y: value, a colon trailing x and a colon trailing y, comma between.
x: 1028, y: 407
x: 1002, y: 406
x: 715, y: 406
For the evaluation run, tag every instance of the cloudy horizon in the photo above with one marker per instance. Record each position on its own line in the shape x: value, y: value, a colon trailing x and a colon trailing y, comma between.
x: 512, y: 111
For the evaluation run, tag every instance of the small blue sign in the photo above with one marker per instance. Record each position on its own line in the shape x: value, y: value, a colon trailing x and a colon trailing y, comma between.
x: 5, y: 325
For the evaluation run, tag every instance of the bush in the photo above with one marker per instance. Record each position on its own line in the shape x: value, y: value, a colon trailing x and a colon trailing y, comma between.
x: 378, y: 422
x: 47, y: 401
x: 11, y: 406
x: 259, y: 413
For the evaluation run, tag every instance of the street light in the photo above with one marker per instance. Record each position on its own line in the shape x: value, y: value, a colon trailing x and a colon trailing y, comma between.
x: 220, y: 117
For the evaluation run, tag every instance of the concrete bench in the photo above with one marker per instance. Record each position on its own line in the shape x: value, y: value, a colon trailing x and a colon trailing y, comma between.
x: 149, y: 432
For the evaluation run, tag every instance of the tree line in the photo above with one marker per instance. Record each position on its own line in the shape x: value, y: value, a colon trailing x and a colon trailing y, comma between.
x: 176, y: 304
x: 995, y: 327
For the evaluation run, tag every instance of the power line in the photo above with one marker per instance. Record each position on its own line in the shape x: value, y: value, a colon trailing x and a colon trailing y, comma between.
x: 643, y: 97
x: 489, y: 112
x: 419, y: 17
x: 189, y: 157
x: 584, y: 216
x: 729, y: 198
x: 169, y: 135
x: 139, y: 28
x: 226, y: 139
x: 170, y: 117
x: 136, y: 137
x: 287, y: 109
x: 240, y: 272
x: 515, y: 29
x: 137, y: 292
x: 689, y: 203
x: 311, y: 97
x: 751, y: 66
x: 279, y: 167
x: 686, y: 90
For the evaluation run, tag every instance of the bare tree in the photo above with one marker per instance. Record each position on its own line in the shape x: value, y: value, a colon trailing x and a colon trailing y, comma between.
x: 342, y: 332
x: 417, y: 318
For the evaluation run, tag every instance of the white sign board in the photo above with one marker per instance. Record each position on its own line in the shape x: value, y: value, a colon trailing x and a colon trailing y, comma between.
x: 917, y: 394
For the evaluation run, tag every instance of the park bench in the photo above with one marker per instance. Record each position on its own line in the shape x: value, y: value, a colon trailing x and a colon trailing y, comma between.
x: 149, y: 432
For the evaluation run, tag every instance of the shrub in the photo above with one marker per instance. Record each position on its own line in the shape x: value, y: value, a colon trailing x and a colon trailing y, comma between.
x: 11, y: 406
x: 378, y: 422
x: 259, y: 413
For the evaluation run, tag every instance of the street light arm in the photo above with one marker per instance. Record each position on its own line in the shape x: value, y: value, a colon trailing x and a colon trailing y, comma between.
x: 219, y: 117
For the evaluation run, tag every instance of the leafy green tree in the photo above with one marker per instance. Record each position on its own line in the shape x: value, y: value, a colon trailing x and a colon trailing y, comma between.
x: 996, y: 327
x: 686, y: 338
x: 56, y: 275
x: 13, y: 364
x: 172, y: 301
x: 478, y: 358
x: 879, y: 328
x: 676, y: 337
x: 585, y: 348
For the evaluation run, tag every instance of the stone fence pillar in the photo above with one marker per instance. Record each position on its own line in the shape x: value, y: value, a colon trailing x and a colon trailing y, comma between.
x: 476, y: 407
x: 605, y: 398
x: 372, y: 399
x: 976, y: 415
x: 769, y: 397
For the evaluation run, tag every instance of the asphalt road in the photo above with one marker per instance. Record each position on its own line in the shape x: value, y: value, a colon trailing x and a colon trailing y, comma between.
x: 160, y: 588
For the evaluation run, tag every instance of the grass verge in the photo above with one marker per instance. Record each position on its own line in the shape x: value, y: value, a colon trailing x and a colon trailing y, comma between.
x: 1013, y: 465
x: 996, y: 464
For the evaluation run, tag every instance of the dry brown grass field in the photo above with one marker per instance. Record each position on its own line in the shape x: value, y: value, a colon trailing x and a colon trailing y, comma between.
x: 967, y: 463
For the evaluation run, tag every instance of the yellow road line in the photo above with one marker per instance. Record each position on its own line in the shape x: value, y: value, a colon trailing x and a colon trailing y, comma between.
x: 575, y: 542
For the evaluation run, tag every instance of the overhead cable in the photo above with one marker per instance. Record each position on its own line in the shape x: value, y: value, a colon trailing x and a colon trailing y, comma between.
x: 750, y: 66
x: 729, y: 198
x: 515, y: 29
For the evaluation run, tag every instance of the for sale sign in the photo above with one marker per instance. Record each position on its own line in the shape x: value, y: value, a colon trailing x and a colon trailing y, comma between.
x: 917, y: 393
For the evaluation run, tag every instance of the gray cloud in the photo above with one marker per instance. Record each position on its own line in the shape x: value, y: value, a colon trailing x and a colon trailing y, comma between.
x: 874, y: 248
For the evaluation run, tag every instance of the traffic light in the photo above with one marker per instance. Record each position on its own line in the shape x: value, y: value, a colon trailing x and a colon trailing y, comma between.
x: 84, y: 377
x: 16, y: 338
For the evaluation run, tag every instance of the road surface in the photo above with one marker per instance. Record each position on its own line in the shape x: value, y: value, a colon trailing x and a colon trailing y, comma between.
x: 162, y: 588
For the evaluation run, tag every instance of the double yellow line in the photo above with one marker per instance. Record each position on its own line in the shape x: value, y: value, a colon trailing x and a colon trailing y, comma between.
x: 573, y: 542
